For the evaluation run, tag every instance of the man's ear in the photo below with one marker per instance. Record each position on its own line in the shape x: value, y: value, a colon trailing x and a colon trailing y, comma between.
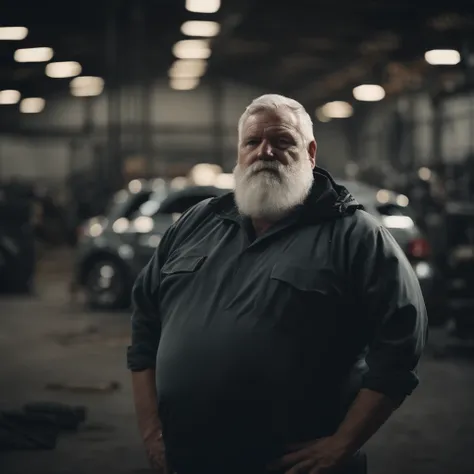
x: 312, y: 149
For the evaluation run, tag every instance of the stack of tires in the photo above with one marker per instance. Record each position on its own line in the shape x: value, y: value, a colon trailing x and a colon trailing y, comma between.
x: 17, y: 243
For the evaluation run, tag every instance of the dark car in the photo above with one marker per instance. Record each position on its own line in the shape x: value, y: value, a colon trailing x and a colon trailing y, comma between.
x: 113, y: 249
x: 393, y: 211
x: 458, y: 247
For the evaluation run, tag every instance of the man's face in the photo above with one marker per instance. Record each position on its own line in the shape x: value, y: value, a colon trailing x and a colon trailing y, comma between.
x: 274, y: 166
x: 274, y: 137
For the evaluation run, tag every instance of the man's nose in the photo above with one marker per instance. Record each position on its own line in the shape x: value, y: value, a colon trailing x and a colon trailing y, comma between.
x: 265, y: 150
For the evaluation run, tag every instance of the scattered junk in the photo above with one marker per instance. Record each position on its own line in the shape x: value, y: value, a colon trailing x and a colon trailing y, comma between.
x: 38, y: 425
x: 109, y: 387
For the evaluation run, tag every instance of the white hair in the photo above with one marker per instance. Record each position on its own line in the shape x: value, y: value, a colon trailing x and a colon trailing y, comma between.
x: 274, y: 102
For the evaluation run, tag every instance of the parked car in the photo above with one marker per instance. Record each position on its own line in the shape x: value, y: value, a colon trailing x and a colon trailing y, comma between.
x: 113, y: 249
x: 459, y: 265
x: 111, y: 256
x: 394, y: 212
x: 17, y: 243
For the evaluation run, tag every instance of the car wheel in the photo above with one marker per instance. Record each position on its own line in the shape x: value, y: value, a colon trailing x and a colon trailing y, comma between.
x: 107, y: 285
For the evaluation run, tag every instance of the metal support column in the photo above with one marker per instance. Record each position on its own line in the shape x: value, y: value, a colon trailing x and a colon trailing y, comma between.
x: 217, y: 97
x: 113, y: 166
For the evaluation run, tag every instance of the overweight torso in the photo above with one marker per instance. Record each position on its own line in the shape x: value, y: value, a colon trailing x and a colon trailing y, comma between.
x: 259, y: 339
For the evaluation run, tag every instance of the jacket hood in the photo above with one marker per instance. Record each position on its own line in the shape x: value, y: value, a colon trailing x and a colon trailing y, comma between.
x: 326, y: 200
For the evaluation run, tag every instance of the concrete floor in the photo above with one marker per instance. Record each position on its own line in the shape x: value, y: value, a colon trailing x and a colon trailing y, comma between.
x: 47, y: 339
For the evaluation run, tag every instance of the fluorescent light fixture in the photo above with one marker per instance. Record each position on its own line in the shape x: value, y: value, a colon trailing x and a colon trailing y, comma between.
x: 13, y: 33
x: 192, y: 49
x: 63, y: 69
x: 443, y: 57
x: 87, y: 86
x: 203, y: 6
x: 33, y: 55
x: 9, y: 97
x: 188, y: 68
x: 32, y: 105
x: 337, y: 109
x: 184, y: 83
x: 320, y: 115
x: 200, y: 28
x: 369, y: 93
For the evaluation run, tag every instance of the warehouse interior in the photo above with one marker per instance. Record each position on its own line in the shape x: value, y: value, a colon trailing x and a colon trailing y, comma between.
x: 117, y: 116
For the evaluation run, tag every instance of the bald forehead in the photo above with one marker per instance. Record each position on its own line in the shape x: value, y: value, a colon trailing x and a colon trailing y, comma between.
x: 268, y: 120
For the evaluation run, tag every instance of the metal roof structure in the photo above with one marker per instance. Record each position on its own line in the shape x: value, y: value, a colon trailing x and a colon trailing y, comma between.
x: 313, y: 51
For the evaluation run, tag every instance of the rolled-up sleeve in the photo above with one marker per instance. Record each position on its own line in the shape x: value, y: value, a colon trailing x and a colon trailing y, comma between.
x: 393, y: 301
x: 146, y: 321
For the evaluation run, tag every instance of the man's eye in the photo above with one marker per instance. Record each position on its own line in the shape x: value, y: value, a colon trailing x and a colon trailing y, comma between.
x: 252, y: 142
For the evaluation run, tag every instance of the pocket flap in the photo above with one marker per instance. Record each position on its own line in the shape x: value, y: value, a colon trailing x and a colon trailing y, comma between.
x: 186, y: 264
x: 304, y: 278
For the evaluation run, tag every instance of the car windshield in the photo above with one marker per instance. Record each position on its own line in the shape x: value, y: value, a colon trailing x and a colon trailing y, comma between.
x: 183, y: 203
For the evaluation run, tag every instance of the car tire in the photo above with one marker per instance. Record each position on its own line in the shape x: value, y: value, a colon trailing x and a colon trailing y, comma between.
x: 107, y: 285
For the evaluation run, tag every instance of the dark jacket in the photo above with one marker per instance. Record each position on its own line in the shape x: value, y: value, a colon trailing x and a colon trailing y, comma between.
x: 258, y: 342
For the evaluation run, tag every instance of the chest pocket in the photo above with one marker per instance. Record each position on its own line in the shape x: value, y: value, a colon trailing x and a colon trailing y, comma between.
x: 186, y: 264
x: 308, y: 280
x: 306, y: 299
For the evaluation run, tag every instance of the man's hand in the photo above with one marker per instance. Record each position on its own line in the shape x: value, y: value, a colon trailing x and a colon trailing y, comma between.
x: 314, y: 457
x: 155, y: 450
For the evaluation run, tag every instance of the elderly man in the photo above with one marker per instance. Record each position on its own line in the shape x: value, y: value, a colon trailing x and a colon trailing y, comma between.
x: 276, y: 328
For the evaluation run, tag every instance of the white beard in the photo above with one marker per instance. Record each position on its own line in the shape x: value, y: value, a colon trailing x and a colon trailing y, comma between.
x: 273, y: 193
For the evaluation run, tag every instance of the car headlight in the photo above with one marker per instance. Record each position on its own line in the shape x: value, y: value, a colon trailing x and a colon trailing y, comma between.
x: 423, y: 270
x: 151, y: 241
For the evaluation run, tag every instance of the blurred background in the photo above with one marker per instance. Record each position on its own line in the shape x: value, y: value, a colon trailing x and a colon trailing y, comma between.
x: 116, y: 116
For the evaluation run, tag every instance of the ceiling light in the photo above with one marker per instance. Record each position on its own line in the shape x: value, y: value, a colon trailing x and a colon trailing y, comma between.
x: 33, y: 55
x: 63, y: 69
x: 184, y: 83
x: 13, y: 33
x: 9, y: 97
x: 443, y: 57
x: 87, y: 86
x: 369, y: 93
x: 200, y: 28
x: 321, y: 116
x: 188, y: 68
x: 337, y: 109
x: 32, y: 105
x: 192, y: 49
x: 203, y: 6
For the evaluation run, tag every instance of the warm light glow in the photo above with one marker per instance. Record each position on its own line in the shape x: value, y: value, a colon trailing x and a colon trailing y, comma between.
x: 369, y: 93
x: 13, y: 33
x: 9, y: 97
x: 63, y: 69
x: 337, y: 109
x: 383, y: 196
x: 402, y: 200
x: 188, y: 68
x: 33, y: 55
x: 321, y: 116
x: 203, y: 6
x: 225, y: 181
x: 184, y: 83
x: 200, y: 28
x: 443, y: 57
x: 192, y: 49
x: 424, y: 174
x: 32, y: 105
x: 87, y: 86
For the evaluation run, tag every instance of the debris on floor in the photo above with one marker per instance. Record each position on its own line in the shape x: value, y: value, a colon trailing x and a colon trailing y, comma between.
x: 38, y: 425
x: 109, y: 387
